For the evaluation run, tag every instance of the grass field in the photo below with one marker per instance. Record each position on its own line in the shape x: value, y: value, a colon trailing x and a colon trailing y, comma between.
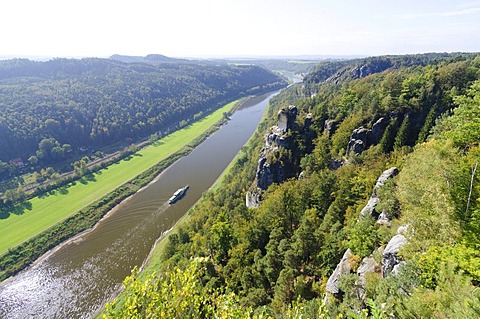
x: 48, y: 210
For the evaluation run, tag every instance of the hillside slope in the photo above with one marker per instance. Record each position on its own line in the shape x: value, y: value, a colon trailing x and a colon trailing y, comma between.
x: 371, y: 207
x: 97, y: 102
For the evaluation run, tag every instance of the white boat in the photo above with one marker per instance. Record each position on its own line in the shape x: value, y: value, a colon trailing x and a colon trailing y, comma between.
x: 178, y: 194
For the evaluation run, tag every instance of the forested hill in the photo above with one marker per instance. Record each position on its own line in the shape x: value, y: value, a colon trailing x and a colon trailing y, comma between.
x: 342, y: 70
x: 362, y: 199
x: 93, y: 102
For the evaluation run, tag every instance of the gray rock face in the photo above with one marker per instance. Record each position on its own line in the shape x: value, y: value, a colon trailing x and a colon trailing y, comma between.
x: 343, y: 268
x: 370, y: 208
x: 276, y: 139
x: 282, y: 120
x: 359, y: 141
x: 389, y: 256
x: 378, y: 128
x: 355, y: 147
x: 389, y: 173
x: 367, y: 266
x: 363, y: 138
x: 252, y: 199
x: 269, y: 173
x: 286, y: 118
x: 330, y: 126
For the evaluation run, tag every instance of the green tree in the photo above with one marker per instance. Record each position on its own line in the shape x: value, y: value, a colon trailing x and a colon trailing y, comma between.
x: 463, y: 126
x: 403, y: 136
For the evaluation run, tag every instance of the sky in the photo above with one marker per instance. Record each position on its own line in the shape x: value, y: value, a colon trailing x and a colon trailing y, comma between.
x: 236, y: 28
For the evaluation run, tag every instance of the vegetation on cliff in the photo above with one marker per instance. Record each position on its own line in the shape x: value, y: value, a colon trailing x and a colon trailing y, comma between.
x: 275, y: 260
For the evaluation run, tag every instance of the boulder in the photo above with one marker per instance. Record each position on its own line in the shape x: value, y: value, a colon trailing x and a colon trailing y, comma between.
x: 359, y: 141
x: 343, y: 268
x: 370, y: 208
x: 389, y: 173
x: 384, y: 219
x: 390, y: 257
x: 378, y: 128
x: 367, y: 266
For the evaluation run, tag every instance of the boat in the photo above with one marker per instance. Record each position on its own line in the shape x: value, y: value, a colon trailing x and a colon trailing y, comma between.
x: 178, y: 194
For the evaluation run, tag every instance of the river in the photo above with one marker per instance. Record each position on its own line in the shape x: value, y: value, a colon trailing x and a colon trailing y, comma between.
x: 77, y: 278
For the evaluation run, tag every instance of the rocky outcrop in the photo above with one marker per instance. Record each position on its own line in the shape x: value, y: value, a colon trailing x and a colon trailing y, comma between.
x: 363, y: 138
x: 390, y: 260
x: 269, y: 173
x: 273, y: 167
x: 253, y: 198
x: 308, y: 122
x: 330, y: 126
x: 335, y: 164
x: 378, y: 128
x: 370, y: 208
x: 343, y: 268
x: 359, y: 141
x: 368, y: 266
x: 389, y: 173
x: 286, y: 118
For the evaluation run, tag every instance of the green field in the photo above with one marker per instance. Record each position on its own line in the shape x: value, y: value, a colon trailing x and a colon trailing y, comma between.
x: 47, y: 211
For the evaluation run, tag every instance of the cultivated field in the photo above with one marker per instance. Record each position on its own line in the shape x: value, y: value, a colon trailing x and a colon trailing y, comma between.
x: 48, y: 210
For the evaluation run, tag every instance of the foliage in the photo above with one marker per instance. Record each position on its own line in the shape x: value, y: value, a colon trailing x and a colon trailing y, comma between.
x: 94, y: 102
x: 282, y: 253
x: 55, y: 228
x: 463, y: 126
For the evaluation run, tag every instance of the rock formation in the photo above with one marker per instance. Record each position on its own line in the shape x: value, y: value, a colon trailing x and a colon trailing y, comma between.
x: 390, y: 260
x: 368, y: 266
x: 330, y: 127
x: 273, y: 167
x: 370, y: 208
x: 343, y: 268
x: 363, y: 138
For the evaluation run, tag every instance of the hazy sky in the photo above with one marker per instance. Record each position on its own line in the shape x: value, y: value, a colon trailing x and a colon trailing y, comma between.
x: 193, y: 28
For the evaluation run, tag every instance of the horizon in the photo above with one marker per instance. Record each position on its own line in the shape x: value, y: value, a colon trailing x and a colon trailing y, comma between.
x: 218, y: 29
x: 300, y: 57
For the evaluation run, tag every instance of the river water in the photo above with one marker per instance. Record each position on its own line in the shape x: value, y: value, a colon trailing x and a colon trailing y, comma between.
x: 78, y: 278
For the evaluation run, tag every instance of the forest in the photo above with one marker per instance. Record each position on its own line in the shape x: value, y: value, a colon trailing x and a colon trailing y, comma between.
x: 48, y: 110
x: 417, y: 116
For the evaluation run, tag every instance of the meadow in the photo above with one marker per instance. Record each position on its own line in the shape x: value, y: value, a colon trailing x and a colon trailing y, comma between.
x: 41, y: 213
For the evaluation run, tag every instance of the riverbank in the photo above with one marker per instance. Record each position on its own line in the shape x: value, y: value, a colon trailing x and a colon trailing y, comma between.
x: 157, y: 253
x: 87, y: 203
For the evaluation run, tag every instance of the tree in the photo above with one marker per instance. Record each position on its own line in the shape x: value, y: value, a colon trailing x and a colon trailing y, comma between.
x: 33, y: 160
x: 403, y: 135
x: 463, y: 126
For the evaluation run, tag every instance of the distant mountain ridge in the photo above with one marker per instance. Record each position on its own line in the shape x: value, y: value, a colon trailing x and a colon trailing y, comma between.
x: 150, y: 58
